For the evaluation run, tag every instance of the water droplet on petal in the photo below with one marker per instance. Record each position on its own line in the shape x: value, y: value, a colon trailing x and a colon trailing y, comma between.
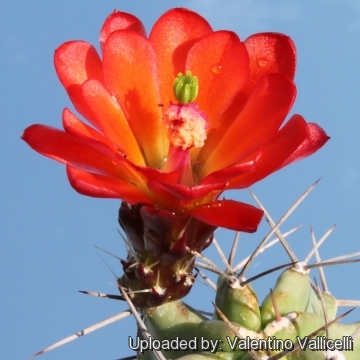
x: 262, y: 62
x: 216, y: 69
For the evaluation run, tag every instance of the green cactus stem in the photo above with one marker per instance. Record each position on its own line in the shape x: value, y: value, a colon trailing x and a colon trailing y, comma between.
x: 238, y: 303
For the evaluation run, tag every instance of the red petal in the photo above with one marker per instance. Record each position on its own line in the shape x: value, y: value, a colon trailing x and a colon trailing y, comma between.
x: 183, y: 192
x: 317, y: 138
x: 171, y: 37
x: 130, y: 73
x: 111, y: 120
x: 229, y: 214
x: 270, y: 53
x: 221, y: 63
x: 276, y: 152
x: 257, y: 123
x: 100, y: 186
x: 75, y: 62
x: 86, y: 134
x: 150, y: 174
x: 224, y: 175
x: 119, y: 20
x: 60, y: 146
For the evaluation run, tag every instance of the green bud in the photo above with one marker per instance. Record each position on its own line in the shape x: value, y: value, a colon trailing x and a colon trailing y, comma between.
x: 186, y: 88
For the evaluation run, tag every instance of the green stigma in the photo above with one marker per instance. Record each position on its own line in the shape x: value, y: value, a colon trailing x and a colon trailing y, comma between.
x: 186, y: 88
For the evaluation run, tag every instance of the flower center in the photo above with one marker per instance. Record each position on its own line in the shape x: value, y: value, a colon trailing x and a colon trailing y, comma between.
x: 186, y: 128
x: 186, y: 125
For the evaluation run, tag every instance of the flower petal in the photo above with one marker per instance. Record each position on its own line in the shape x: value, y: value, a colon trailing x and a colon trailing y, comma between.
x: 221, y: 63
x: 229, y: 214
x: 111, y: 120
x: 130, y: 73
x: 275, y: 153
x: 257, y: 123
x: 183, y: 192
x: 317, y: 138
x: 171, y: 37
x: 101, y: 186
x: 270, y: 53
x: 150, y: 174
x: 119, y: 20
x: 226, y: 174
x: 75, y: 62
x: 86, y: 134
x: 60, y: 146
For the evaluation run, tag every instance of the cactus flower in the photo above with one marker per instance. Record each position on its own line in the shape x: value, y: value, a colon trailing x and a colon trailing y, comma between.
x: 246, y: 90
x: 169, y: 148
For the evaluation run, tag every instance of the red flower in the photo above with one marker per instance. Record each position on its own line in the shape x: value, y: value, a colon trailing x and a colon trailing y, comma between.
x: 246, y: 90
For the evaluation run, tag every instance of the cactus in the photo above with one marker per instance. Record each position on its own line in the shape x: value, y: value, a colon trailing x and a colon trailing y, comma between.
x: 171, y: 173
x: 294, y: 321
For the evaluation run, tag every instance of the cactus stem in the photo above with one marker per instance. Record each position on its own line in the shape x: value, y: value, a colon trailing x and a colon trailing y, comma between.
x: 236, y: 332
x: 313, y: 334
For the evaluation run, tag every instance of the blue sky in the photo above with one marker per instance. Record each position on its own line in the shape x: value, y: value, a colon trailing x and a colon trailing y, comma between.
x: 48, y: 230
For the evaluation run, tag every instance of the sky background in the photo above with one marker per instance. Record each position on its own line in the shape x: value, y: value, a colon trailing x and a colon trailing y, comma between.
x: 47, y: 230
